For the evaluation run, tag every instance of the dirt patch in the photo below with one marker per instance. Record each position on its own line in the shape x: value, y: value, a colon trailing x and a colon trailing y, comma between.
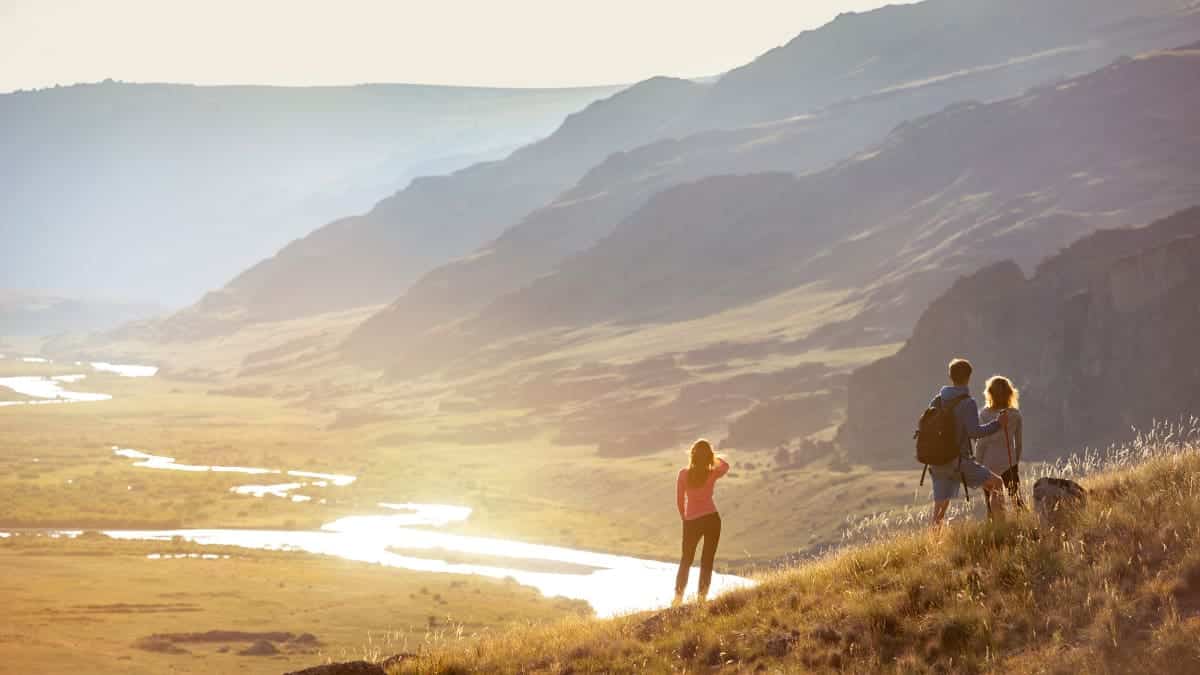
x: 261, y: 643
x: 127, y: 608
x: 159, y: 646
x: 232, y: 636
x: 260, y: 648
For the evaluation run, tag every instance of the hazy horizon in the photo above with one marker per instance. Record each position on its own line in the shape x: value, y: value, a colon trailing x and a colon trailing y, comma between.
x: 59, y: 42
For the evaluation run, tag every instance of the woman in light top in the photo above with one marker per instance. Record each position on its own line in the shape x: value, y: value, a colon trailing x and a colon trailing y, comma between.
x: 1001, y: 452
x: 694, y: 498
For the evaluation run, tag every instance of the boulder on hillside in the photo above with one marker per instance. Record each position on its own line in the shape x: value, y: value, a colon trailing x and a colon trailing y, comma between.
x: 355, y: 667
x: 1056, y: 499
x: 348, y: 668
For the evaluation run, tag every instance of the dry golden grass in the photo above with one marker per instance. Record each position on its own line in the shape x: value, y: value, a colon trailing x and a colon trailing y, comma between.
x: 1115, y: 590
x: 92, y: 604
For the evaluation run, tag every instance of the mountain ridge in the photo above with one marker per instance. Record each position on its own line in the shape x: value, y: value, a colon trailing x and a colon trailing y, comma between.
x: 720, y: 208
x: 190, y: 184
x: 268, y: 298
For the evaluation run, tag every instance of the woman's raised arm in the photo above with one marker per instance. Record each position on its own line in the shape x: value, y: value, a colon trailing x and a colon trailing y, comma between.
x: 721, y: 468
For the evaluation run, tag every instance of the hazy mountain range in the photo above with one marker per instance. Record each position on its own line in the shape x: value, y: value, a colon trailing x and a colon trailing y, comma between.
x: 870, y: 242
x: 34, y: 314
x: 159, y: 192
x: 685, y: 258
x: 823, y: 96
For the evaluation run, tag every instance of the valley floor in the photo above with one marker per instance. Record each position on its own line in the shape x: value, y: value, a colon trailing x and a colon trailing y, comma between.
x: 95, y: 605
x: 59, y: 471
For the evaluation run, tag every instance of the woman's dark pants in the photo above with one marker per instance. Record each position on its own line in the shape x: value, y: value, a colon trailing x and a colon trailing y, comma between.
x: 707, y: 528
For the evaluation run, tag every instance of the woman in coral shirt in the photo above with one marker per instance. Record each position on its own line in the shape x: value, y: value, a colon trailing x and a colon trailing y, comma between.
x: 694, y: 498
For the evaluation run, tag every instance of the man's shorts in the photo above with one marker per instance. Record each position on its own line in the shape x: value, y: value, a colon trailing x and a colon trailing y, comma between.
x: 947, y: 478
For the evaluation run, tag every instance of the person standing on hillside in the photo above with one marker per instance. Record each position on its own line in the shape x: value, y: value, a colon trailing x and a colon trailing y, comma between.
x: 965, y: 469
x: 694, y: 499
x: 1001, y: 453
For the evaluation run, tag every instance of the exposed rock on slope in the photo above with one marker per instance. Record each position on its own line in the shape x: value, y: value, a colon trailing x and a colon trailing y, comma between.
x: 1100, y: 339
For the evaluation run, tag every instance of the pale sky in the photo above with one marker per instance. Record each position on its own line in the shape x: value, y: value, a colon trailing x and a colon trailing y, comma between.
x: 524, y: 43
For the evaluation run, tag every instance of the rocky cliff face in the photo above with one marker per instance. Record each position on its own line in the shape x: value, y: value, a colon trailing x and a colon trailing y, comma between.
x: 1100, y: 339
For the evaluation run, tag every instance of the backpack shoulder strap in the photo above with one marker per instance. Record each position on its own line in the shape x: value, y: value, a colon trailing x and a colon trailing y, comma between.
x: 953, y: 403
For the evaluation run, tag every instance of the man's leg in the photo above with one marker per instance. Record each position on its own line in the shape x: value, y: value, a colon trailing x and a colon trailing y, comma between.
x: 712, y: 536
x: 993, y: 483
x: 995, y: 500
x: 691, y: 537
x: 978, y: 475
x: 939, y: 512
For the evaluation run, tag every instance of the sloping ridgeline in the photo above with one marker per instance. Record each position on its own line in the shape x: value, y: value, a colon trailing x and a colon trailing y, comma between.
x: 918, y: 57
x: 885, y: 232
x: 1101, y: 338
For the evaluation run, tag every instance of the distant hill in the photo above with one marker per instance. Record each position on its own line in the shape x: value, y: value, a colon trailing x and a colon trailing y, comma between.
x: 1099, y: 340
x: 905, y: 61
x: 371, y: 258
x: 159, y: 192
x: 31, y: 314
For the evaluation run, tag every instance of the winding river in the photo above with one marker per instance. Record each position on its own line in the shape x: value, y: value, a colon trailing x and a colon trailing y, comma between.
x: 402, y: 535
x: 43, y: 389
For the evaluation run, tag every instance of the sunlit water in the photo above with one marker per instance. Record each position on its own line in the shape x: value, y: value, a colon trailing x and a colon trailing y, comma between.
x: 611, y: 584
x: 124, y: 369
x: 49, y: 390
x: 149, y: 461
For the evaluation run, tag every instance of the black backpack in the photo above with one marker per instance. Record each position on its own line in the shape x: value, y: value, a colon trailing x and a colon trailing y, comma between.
x: 937, y: 433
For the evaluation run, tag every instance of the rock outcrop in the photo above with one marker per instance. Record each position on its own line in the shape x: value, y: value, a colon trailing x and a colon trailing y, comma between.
x: 1101, y: 339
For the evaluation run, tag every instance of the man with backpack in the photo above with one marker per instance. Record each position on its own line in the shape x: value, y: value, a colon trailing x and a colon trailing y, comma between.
x: 944, y: 437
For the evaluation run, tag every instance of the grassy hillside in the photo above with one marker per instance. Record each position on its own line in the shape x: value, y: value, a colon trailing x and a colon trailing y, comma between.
x: 1116, y: 590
